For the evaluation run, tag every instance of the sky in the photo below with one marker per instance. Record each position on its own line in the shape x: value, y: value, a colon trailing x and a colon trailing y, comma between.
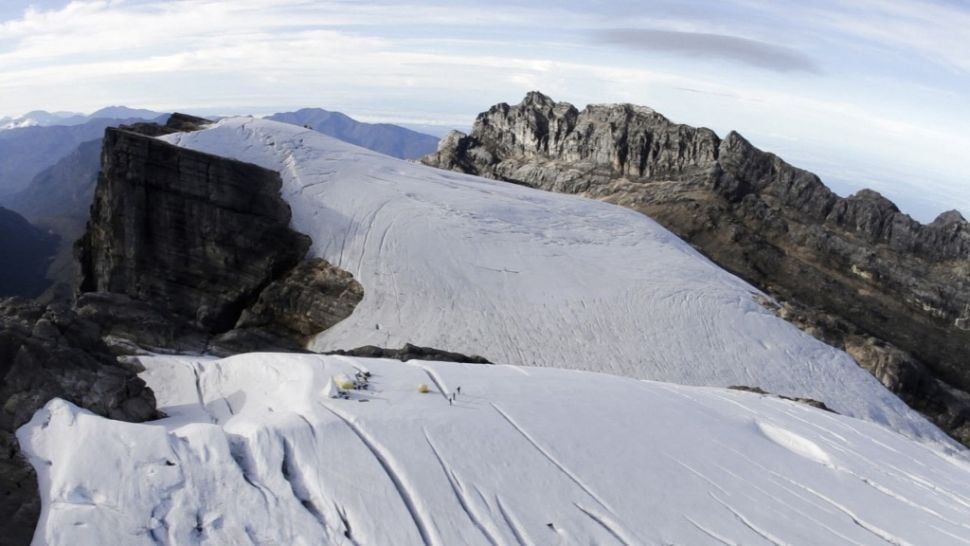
x: 866, y: 93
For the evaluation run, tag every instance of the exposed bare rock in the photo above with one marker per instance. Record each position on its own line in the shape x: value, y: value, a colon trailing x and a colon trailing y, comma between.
x: 184, y: 123
x: 946, y: 406
x: 807, y: 401
x: 187, y: 251
x: 143, y: 324
x: 880, y: 273
x: 196, y: 235
x: 309, y: 299
x: 177, y: 123
x: 411, y: 352
x: 48, y: 352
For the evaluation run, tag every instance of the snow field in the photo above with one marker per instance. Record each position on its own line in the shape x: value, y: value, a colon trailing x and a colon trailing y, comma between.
x: 256, y: 451
x: 533, y: 278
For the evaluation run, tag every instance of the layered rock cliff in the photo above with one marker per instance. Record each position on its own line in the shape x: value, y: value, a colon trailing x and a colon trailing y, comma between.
x: 190, y: 251
x: 196, y: 235
x: 859, y: 273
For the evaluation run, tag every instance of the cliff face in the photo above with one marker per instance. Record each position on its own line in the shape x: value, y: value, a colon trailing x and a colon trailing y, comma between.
x: 853, y: 268
x: 187, y: 251
x: 196, y: 235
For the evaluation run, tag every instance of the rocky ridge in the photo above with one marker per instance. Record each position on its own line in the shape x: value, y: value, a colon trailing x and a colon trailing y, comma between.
x: 859, y: 274
x: 196, y: 235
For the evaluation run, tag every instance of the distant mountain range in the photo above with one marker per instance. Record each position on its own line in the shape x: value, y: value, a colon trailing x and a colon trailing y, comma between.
x: 41, y: 118
x: 25, y: 152
x: 385, y: 138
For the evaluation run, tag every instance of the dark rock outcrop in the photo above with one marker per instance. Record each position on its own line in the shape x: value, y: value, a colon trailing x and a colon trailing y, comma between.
x: 176, y: 123
x: 880, y: 273
x: 48, y: 352
x: 410, y: 352
x: 187, y: 251
x: 914, y: 384
x: 196, y: 235
x: 807, y: 401
x: 309, y: 299
x: 131, y: 326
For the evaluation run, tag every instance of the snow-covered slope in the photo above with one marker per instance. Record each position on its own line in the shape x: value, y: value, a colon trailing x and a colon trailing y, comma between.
x: 527, y: 277
x: 256, y: 452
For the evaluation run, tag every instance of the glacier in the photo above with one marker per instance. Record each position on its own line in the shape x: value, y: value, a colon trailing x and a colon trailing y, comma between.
x: 256, y: 451
x: 532, y: 278
x: 604, y: 421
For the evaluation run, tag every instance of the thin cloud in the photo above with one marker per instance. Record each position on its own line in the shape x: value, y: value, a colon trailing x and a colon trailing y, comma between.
x: 703, y: 45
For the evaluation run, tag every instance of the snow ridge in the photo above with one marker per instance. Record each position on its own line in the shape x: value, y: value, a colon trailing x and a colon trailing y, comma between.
x: 536, y: 459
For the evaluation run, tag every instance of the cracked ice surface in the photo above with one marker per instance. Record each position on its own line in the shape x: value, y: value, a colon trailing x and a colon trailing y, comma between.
x: 255, y: 451
x: 533, y: 278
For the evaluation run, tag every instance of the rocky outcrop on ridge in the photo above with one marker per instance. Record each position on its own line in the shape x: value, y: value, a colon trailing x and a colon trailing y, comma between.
x: 411, y: 352
x: 807, y: 401
x: 195, y: 236
x: 187, y: 251
x: 48, y: 352
x: 309, y: 299
x: 852, y: 268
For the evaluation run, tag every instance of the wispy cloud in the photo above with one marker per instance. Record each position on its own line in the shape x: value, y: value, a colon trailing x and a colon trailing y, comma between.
x: 704, y: 45
x: 935, y: 30
x: 853, y: 76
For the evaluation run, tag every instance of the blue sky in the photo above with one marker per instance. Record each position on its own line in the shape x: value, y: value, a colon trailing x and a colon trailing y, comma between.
x: 864, y: 92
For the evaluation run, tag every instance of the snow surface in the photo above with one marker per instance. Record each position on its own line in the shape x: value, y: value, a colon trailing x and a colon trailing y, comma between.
x: 255, y: 451
x: 532, y: 278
